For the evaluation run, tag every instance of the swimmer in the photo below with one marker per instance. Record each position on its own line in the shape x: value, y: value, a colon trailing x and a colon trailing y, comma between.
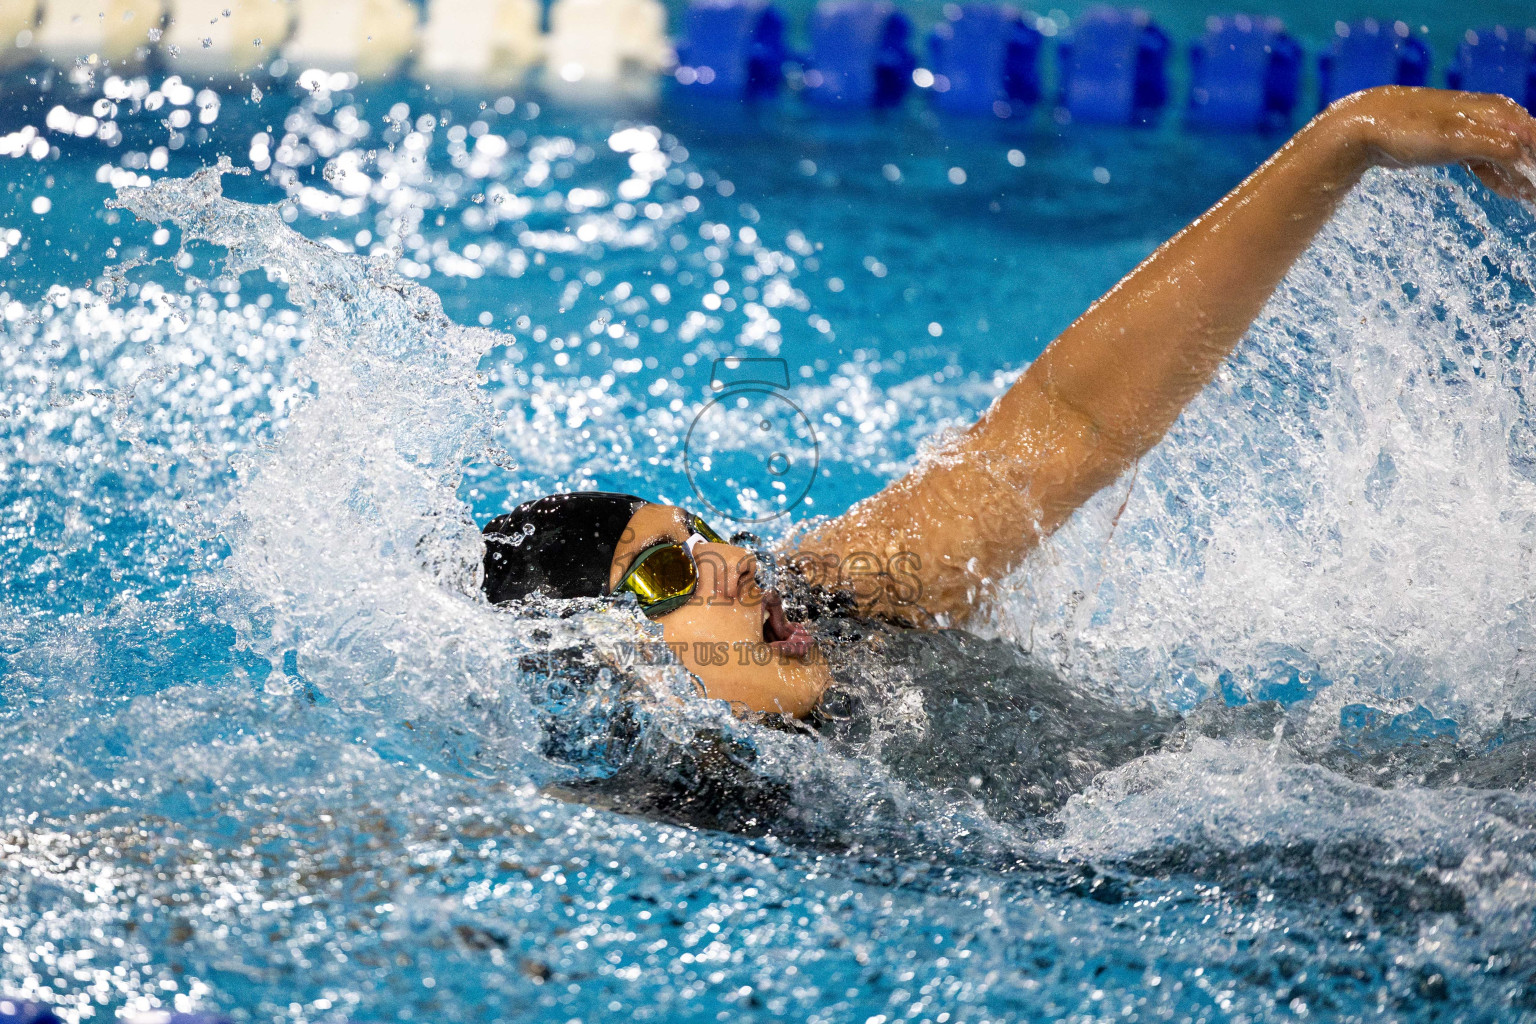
x: 926, y: 550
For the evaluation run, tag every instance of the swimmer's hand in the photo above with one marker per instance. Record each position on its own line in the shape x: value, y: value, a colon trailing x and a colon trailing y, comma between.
x: 1394, y: 126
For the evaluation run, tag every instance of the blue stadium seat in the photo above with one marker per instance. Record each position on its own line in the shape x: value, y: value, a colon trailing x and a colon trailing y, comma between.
x: 18, y: 1011
x: 1498, y: 60
x: 734, y: 49
x: 1244, y: 74
x: 1114, y: 67
x: 1368, y: 53
x: 859, y: 54
x: 985, y: 60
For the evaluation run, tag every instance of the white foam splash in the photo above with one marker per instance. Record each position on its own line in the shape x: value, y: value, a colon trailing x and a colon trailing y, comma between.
x: 348, y: 545
x: 1351, y: 500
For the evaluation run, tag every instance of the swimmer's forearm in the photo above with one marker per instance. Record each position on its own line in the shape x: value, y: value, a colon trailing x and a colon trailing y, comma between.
x: 1130, y: 363
x: 1111, y: 385
x: 1122, y: 373
x: 1102, y: 393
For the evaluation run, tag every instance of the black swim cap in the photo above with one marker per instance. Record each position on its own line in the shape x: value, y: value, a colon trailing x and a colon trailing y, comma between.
x: 560, y: 544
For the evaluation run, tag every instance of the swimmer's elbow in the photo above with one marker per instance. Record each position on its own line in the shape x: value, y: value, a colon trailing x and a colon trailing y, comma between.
x: 1105, y: 434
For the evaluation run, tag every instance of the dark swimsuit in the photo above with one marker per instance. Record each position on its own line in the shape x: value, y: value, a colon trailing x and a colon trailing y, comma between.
x: 944, y: 709
x: 953, y: 713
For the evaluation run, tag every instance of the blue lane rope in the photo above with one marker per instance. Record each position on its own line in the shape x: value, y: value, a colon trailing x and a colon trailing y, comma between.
x: 1369, y: 53
x: 860, y: 55
x: 733, y: 49
x: 1245, y: 74
x: 985, y: 58
x: 1495, y: 59
x: 1113, y: 69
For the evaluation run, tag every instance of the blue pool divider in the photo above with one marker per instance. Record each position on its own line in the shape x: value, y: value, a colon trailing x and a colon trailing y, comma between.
x: 1368, y: 53
x: 1497, y: 59
x: 734, y: 49
x: 860, y: 55
x: 1114, y: 68
x: 1245, y: 74
x: 985, y: 59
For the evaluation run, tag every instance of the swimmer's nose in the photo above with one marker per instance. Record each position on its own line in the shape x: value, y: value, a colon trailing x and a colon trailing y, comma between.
x: 731, y: 571
x: 746, y: 577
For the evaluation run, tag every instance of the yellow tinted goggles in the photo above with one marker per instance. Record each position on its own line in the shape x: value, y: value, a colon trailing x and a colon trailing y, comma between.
x: 664, y: 576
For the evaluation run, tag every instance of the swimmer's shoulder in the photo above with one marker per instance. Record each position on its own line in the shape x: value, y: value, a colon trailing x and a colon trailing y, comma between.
x: 815, y: 598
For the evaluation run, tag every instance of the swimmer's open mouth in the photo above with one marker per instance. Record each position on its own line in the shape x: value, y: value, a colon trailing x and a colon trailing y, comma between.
x: 789, y: 638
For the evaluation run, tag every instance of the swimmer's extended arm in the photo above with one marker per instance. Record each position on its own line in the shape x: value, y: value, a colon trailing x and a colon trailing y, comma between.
x: 1109, y: 387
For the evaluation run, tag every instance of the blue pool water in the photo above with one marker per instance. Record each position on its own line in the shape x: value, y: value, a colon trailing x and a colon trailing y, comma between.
x: 262, y: 752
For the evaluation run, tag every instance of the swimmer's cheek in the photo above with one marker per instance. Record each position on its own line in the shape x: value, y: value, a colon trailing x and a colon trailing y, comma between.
x: 787, y: 684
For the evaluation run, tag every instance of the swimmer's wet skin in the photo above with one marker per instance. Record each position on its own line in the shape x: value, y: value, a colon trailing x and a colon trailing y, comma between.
x: 592, y: 544
x: 1098, y: 398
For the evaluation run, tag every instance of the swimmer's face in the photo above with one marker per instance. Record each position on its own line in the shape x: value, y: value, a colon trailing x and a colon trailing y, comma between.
x: 731, y: 633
